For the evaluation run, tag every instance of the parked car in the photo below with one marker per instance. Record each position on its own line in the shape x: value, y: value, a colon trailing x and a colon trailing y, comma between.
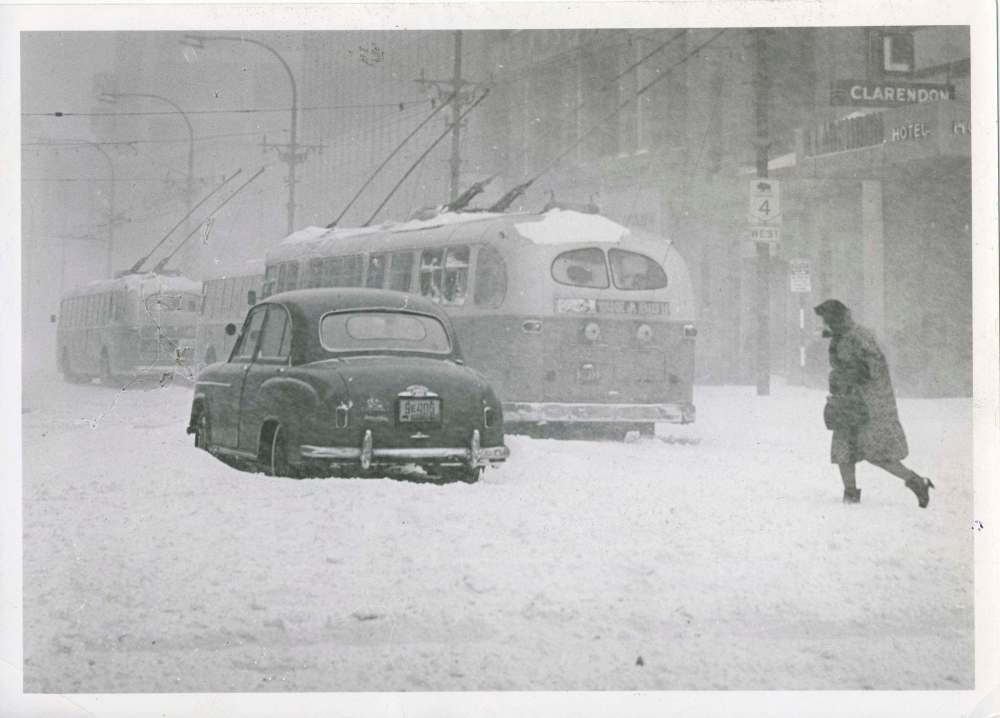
x: 322, y: 380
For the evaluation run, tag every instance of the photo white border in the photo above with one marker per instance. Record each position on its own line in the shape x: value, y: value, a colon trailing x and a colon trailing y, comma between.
x: 980, y: 15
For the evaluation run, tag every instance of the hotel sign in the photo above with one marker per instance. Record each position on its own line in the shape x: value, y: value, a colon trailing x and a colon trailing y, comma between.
x: 863, y: 93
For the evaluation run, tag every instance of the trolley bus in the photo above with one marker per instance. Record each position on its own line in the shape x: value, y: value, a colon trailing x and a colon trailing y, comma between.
x: 133, y: 324
x: 572, y: 318
x: 226, y: 299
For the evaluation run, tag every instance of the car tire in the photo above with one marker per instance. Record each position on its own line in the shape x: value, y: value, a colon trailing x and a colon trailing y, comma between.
x: 277, y: 459
x: 203, y: 430
x: 465, y: 474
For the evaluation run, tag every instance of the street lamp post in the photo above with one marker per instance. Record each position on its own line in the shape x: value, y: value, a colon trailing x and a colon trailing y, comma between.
x: 291, y: 157
x: 114, y: 96
x: 111, y: 205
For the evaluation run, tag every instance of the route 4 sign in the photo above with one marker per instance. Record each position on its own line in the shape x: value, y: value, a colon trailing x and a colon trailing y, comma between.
x: 765, y: 201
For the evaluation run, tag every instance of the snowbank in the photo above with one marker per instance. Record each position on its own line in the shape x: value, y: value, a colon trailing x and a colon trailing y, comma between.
x: 151, y: 566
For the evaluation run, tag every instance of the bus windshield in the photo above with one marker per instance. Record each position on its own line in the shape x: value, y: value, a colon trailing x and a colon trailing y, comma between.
x: 635, y: 271
x: 383, y: 331
x: 581, y: 268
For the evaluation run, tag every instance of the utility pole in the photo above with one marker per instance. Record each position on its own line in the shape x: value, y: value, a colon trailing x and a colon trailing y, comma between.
x: 460, y: 91
x: 762, y: 293
x: 456, y: 79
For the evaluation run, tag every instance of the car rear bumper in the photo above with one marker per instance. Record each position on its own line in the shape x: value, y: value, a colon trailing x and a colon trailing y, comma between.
x: 368, y: 454
x: 547, y: 412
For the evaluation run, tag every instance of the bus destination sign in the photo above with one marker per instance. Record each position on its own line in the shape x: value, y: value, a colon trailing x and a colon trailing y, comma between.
x: 612, y: 306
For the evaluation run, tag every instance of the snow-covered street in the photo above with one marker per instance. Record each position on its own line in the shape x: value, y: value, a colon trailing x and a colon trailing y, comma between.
x: 150, y: 566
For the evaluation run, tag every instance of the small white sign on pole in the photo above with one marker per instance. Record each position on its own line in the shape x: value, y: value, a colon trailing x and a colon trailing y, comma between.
x: 771, y: 235
x: 800, y: 276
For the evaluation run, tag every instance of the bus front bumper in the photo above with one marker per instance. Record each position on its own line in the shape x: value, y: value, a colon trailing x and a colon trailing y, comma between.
x: 550, y: 412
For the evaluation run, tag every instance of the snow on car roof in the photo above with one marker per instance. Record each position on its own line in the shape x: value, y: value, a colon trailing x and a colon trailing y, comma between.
x: 558, y: 226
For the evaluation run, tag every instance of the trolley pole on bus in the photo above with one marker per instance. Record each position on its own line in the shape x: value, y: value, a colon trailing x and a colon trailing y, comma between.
x: 762, y: 294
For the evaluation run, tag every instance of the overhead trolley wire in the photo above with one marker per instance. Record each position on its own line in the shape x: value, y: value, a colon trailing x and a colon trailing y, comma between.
x: 392, y: 154
x: 426, y: 152
x: 400, y: 105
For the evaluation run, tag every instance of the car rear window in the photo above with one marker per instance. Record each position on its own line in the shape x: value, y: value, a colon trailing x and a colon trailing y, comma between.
x: 383, y: 331
x: 635, y: 271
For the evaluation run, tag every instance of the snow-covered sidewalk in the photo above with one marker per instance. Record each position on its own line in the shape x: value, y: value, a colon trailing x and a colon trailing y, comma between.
x: 151, y: 566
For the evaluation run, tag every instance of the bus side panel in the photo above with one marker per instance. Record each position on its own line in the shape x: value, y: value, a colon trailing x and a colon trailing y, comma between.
x: 559, y: 364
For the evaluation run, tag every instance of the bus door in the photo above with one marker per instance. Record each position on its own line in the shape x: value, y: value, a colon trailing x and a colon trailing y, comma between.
x: 271, y: 360
x: 224, y: 399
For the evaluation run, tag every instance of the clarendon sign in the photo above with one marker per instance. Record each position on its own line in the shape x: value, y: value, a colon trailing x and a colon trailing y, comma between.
x: 888, y: 94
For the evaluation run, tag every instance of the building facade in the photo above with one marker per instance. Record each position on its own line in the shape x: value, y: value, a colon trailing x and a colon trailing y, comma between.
x: 867, y: 137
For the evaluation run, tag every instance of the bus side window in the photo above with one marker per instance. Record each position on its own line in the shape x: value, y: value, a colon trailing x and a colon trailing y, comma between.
x: 288, y: 276
x: 455, y: 285
x: 314, y: 273
x: 431, y: 271
x: 376, y: 271
x: 228, y: 295
x: 344, y: 271
x: 400, y: 271
x: 491, y: 277
x: 267, y: 286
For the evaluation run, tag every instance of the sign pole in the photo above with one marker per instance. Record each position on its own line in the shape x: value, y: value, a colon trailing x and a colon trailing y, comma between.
x: 802, y: 339
x: 762, y: 295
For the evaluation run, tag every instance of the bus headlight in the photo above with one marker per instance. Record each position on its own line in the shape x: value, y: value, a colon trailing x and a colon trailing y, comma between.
x: 644, y: 334
x: 690, y: 330
x: 592, y: 332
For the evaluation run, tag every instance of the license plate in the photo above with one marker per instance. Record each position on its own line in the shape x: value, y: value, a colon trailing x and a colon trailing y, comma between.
x: 412, y: 410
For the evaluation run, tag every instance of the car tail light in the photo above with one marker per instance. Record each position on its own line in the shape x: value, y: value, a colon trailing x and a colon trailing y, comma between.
x: 531, y: 326
x: 592, y: 332
x: 644, y: 334
x: 341, y: 416
x: 690, y: 330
